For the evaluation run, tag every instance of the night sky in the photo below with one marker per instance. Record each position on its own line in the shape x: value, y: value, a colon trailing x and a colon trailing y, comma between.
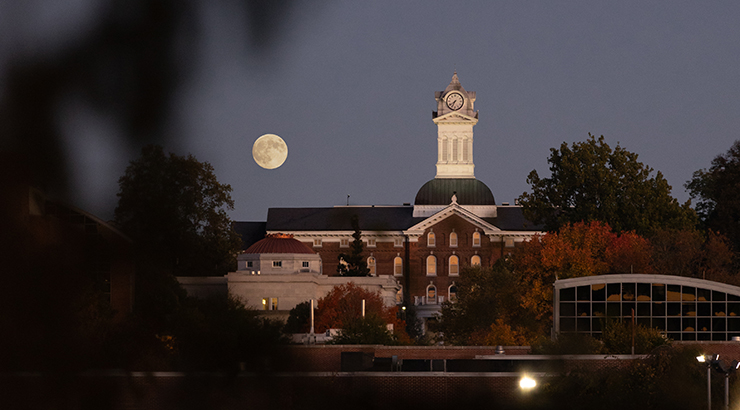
x: 350, y: 88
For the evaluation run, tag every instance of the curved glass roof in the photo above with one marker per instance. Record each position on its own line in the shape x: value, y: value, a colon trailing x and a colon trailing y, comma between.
x: 679, y: 307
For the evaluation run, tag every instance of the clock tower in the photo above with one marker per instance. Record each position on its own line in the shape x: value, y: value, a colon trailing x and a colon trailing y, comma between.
x: 455, y: 118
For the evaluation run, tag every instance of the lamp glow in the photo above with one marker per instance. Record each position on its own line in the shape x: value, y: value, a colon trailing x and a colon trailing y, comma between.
x: 527, y: 383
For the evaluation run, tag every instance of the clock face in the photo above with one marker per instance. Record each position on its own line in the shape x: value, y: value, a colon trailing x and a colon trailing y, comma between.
x: 454, y: 101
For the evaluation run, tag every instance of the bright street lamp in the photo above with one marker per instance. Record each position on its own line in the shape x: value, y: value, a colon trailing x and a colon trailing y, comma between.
x: 527, y: 383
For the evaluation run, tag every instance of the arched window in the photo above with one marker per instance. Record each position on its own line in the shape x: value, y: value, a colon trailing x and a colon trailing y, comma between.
x: 398, y: 266
x: 476, y: 238
x: 454, y: 265
x: 453, y: 239
x: 431, y: 240
x: 431, y: 265
x: 371, y: 265
x: 475, y: 260
x: 431, y: 294
x: 452, y: 292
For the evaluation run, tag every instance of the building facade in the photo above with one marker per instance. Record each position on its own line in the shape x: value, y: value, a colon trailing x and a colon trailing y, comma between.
x: 453, y: 223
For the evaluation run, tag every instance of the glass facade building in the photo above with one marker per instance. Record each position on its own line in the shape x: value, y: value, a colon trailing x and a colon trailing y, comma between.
x: 681, y: 308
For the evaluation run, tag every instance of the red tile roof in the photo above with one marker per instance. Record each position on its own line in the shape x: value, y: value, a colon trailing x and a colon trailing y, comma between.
x: 279, y: 243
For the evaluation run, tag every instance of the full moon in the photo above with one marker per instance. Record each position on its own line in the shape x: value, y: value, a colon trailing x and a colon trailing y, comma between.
x: 269, y: 151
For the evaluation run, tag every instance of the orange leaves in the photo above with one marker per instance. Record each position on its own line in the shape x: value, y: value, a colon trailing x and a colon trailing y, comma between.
x: 344, y: 303
x: 585, y: 249
x: 629, y: 253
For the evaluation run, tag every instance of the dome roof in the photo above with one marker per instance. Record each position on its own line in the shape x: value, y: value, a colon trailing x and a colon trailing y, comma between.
x: 469, y: 191
x: 279, y: 243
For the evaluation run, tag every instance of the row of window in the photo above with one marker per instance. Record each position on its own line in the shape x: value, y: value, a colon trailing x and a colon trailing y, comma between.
x: 345, y: 242
x: 397, y: 266
x: 432, y: 239
x: 277, y: 264
x: 453, y: 264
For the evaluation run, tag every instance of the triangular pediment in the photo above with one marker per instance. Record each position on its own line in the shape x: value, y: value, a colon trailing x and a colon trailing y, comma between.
x: 450, y: 210
x: 455, y: 116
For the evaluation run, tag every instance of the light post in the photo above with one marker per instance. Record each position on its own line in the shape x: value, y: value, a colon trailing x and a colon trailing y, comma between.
x: 707, y: 360
x: 713, y: 361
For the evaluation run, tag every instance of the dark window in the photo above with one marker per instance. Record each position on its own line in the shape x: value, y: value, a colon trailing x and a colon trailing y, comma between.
x: 643, y: 292
x: 658, y: 309
x: 612, y: 292
x: 598, y: 292
x: 567, y: 309
x: 568, y: 294
x: 658, y: 292
x: 643, y: 309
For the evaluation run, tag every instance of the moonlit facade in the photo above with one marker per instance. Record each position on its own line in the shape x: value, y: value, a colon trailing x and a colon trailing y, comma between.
x: 684, y: 309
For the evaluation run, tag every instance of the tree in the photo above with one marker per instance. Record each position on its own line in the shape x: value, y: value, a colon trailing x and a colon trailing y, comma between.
x: 299, y: 318
x: 368, y: 330
x: 174, y: 209
x: 718, y: 192
x: 617, y: 338
x: 590, y: 181
x: 353, y: 264
x: 487, y: 310
x: 342, y: 306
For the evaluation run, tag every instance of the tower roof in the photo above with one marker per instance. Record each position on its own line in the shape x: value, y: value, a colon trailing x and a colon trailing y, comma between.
x: 454, y: 85
x: 469, y: 191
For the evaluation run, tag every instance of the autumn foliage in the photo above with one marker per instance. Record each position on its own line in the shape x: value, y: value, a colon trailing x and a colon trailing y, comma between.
x: 343, y: 304
x: 511, y: 303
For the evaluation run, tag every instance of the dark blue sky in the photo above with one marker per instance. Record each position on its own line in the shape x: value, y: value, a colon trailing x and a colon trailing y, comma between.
x: 350, y: 87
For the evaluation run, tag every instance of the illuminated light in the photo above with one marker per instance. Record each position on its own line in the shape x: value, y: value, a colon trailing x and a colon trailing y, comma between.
x: 527, y: 383
x: 701, y: 359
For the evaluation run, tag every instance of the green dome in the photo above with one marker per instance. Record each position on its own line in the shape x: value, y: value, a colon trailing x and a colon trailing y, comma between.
x: 469, y: 191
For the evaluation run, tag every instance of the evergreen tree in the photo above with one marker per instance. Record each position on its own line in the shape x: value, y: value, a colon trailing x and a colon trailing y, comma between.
x: 354, y: 263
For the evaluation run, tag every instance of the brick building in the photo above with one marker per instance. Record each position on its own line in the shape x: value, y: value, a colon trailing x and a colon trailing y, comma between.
x: 453, y: 223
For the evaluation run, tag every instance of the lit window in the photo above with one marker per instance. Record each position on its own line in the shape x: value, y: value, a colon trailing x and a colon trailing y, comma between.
x: 431, y: 265
x: 371, y: 265
x: 431, y: 241
x: 317, y: 242
x: 398, y: 266
x: 273, y: 303
x: 344, y: 243
x: 249, y: 264
x: 475, y: 260
x: 277, y: 264
x: 371, y: 242
x: 431, y: 294
x: 265, y: 306
x: 454, y: 265
x: 304, y: 264
x: 453, y: 239
x: 398, y: 242
x: 476, y: 238
x: 452, y: 293
x: 509, y: 242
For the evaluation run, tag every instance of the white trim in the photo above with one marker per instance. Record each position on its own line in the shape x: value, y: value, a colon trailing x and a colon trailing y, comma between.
x: 453, y: 209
